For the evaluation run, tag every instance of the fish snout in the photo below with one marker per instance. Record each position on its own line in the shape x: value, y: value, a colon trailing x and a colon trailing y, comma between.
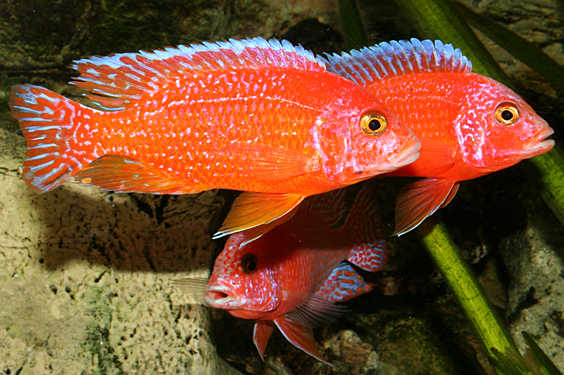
x: 539, y: 144
x: 221, y: 297
x: 407, y: 155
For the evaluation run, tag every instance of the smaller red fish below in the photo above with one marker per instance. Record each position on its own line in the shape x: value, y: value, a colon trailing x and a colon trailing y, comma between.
x: 291, y: 277
x: 469, y: 125
x: 262, y: 117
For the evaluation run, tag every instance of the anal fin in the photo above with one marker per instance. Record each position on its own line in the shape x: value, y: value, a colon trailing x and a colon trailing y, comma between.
x: 419, y: 200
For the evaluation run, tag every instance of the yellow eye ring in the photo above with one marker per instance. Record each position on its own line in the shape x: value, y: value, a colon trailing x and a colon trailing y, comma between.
x: 373, y: 123
x: 249, y: 263
x: 507, y: 114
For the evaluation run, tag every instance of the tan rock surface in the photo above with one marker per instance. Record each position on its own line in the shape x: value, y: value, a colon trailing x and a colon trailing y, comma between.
x: 86, y: 279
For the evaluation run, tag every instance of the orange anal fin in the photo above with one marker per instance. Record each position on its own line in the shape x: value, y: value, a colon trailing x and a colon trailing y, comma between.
x: 123, y: 174
x: 257, y: 209
x: 300, y: 335
x: 261, y: 334
x: 421, y: 199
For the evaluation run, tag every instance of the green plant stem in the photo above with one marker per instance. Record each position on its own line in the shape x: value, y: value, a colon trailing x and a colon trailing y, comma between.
x: 437, y: 19
x: 477, y: 307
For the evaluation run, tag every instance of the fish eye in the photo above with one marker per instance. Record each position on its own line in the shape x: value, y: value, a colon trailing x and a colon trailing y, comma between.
x: 507, y: 114
x: 249, y: 263
x: 373, y: 123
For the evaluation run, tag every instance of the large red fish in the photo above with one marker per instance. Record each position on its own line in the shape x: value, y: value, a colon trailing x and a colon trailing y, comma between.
x: 291, y: 276
x: 260, y: 116
x: 469, y: 125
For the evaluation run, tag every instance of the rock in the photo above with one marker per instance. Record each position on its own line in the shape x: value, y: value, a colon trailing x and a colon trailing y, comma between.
x: 86, y: 279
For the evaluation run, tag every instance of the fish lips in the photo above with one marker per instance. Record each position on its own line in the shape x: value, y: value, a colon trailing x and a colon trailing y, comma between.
x: 407, y: 155
x: 539, y: 144
x: 221, y: 297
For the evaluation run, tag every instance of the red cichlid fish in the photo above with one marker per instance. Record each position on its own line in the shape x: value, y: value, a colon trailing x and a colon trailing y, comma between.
x: 260, y: 116
x: 469, y: 125
x: 291, y: 276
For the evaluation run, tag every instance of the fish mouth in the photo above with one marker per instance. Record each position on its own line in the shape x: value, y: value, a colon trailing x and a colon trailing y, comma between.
x: 540, y: 144
x: 406, y: 156
x: 220, y: 297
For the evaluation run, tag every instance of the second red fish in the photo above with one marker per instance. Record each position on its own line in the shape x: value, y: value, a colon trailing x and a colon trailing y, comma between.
x: 290, y: 277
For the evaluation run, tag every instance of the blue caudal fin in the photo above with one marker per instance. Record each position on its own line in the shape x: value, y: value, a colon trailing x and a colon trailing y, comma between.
x: 365, y: 227
x: 49, y: 123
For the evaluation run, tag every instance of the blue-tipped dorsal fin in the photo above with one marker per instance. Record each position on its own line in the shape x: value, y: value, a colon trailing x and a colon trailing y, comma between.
x: 118, y: 80
x: 398, y: 58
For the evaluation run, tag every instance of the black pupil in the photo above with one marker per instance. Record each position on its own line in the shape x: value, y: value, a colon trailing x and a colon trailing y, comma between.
x: 252, y: 265
x: 374, y: 125
x: 249, y: 263
x: 506, y: 115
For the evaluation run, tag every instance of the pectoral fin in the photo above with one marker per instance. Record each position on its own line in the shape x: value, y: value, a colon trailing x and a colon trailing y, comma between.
x: 252, y: 210
x: 268, y: 163
x: 419, y: 200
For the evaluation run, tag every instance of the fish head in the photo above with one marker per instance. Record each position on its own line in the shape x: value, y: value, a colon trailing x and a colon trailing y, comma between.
x: 362, y: 138
x: 243, y: 281
x: 496, y: 128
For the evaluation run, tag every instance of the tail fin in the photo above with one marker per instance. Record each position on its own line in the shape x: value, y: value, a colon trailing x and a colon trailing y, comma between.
x: 365, y: 226
x: 49, y: 123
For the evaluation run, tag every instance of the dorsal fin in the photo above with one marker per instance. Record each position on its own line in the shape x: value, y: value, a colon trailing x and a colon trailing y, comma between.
x: 123, y: 78
x: 397, y: 58
x: 331, y: 206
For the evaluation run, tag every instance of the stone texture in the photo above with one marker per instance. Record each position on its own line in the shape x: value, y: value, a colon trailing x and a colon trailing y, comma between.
x: 86, y: 279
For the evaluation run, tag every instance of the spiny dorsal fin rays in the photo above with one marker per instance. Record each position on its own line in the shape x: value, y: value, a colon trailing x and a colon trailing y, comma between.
x: 397, y: 58
x: 329, y: 206
x: 117, y: 81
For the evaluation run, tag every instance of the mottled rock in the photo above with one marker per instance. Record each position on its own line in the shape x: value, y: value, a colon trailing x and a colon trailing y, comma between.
x: 86, y: 279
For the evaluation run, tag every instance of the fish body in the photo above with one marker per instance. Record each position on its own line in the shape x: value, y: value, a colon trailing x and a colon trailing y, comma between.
x: 291, y: 276
x: 469, y: 125
x: 264, y: 117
